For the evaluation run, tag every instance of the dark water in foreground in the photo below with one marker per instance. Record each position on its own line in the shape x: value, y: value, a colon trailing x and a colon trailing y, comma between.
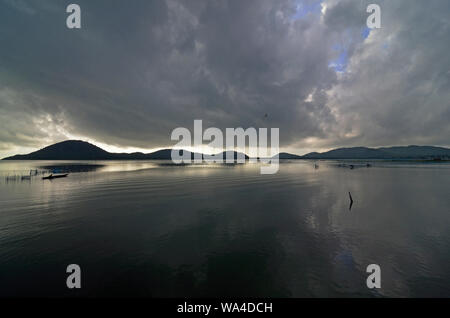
x: 145, y: 229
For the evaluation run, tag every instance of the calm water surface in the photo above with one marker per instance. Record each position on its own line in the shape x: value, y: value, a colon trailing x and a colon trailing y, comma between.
x: 151, y: 229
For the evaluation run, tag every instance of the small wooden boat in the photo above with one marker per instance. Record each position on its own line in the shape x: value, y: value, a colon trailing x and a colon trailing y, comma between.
x: 54, y: 176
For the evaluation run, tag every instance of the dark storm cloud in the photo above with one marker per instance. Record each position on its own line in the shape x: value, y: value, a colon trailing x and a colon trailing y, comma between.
x: 138, y: 69
x: 397, y: 86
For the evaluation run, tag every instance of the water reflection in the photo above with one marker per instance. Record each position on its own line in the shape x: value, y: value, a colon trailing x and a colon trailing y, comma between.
x: 149, y: 229
x: 68, y: 168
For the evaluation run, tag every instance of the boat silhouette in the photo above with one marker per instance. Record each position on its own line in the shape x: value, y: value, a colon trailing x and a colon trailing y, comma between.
x: 54, y: 176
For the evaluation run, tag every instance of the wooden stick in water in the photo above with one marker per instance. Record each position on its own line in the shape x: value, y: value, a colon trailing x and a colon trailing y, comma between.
x: 351, y: 200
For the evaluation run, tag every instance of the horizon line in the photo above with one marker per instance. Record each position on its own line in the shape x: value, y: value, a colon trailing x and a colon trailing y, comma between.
x: 224, y: 149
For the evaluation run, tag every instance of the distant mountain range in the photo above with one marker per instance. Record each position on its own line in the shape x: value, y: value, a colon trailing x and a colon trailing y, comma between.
x: 81, y: 150
x: 400, y: 152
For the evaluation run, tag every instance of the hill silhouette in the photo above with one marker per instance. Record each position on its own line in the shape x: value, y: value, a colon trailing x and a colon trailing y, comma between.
x: 82, y: 150
x: 66, y: 150
x: 399, y: 152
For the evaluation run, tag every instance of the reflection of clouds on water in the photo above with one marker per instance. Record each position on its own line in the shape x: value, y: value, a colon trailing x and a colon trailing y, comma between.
x: 196, y: 232
x: 393, y: 211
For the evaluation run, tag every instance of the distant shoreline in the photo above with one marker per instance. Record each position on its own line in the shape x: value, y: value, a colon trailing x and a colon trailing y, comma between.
x: 81, y: 150
x: 257, y: 159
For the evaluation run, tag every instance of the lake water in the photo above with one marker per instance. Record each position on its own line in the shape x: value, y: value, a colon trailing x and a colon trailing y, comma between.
x: 147, y: 228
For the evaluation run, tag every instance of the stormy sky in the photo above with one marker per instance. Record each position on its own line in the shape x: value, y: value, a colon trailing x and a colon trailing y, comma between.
x: 136, y: 70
